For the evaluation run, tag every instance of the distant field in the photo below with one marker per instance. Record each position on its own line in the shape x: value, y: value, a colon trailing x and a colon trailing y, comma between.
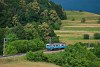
x: 73, y: 31
x: 83, y: 41
x: 82, y: 28
x: 78, y: 15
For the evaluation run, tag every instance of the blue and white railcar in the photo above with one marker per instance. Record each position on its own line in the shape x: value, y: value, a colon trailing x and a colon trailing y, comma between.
x: 52, y: 46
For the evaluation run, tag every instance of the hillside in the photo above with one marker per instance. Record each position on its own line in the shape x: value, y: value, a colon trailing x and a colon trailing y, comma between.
x: 28, y: 21
x: 72, y: 31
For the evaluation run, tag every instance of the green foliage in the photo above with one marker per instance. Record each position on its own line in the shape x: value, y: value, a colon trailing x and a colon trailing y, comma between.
x: 45, y: 32
x: 11, y: 37
x: 10, y: 50
x: 19, y: 31
x: 97, y: 36
x: 73, y: 19
x: 57, y: 26
x: 37, y: 56
x: 83, y: 20
x: 86, y: 36
x: 30, y: 56
x: 40, y: 44
x: 23, y: 46
x: 59, y: 10
x: 23, y: 11
x: 96, y: 50
x: 73, y: 56
x: 98, y: 20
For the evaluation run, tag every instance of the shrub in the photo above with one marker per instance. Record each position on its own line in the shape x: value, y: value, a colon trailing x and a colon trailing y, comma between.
x: 73, y: 19
x: 10, y: 50
x: 97, y: 36
x: 96, y: 50
x: 83, y: 20
x: 56, y: 26
x: 23, y: 46
x: 30, y: 56
x: 86, y: 36
x: 98, y: 21
x: 39, y: 44
x: 37, y: 56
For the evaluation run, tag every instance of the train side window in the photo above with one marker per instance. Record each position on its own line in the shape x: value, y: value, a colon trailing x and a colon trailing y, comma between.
x: 62, y: 45
x: 56, y: 45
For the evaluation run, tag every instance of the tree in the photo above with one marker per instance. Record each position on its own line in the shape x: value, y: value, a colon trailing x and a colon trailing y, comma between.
x: 86, y: 36
x: 11, y: 37
x: 29, y: 31
x: 96, y: 50
x: 45, y: 16
x: 15, y: 20
x: 34, y: 6
x: 97, y: 36
x: 19, y: 31
x: 54, y: 19
x: 98, y: 20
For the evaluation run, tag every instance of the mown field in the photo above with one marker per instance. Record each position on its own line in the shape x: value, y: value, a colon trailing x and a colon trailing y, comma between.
x: 21, y: 62
x: 73, y: 31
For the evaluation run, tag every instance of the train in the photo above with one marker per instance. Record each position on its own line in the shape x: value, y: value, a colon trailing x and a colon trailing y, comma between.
x: 53, y: 46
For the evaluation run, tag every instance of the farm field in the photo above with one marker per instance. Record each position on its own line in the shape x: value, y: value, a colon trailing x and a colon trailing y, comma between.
x: 73, y: 31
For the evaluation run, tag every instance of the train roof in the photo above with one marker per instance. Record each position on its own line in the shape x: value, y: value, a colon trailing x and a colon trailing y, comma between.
x: 56, y: 43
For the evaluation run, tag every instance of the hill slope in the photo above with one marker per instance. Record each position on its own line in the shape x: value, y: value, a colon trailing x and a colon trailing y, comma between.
x: 72, y: 31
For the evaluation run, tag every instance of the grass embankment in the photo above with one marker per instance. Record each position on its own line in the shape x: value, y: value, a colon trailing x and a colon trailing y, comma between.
x: 73, y: 31
x: 21, y: 62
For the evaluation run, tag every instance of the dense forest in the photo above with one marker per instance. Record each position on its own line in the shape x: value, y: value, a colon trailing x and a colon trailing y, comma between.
x: 27, y: 21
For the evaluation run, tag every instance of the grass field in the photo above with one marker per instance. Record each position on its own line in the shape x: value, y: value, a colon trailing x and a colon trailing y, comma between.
x: 79, y: 15
x: 28, y: 64
x: 73, y: 31
x: 21, y: 62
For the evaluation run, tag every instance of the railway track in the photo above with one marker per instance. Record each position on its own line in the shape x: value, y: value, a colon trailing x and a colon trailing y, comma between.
x: 23, y: 54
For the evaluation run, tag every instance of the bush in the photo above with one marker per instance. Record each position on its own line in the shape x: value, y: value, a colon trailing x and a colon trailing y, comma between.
x: 37, y: 56
x: 23, y: 46
x: 56, y: 26
x: 73, y: 19
x: 98, y: 21
x: 96, y: 50
x: 83, y: 20
x: 97, y: 36
x: 10, y: 50
x: 30, y: 56
x: 86, y: 36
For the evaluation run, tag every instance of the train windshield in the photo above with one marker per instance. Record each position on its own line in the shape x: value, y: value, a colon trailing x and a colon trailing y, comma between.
x: 47, y: 44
